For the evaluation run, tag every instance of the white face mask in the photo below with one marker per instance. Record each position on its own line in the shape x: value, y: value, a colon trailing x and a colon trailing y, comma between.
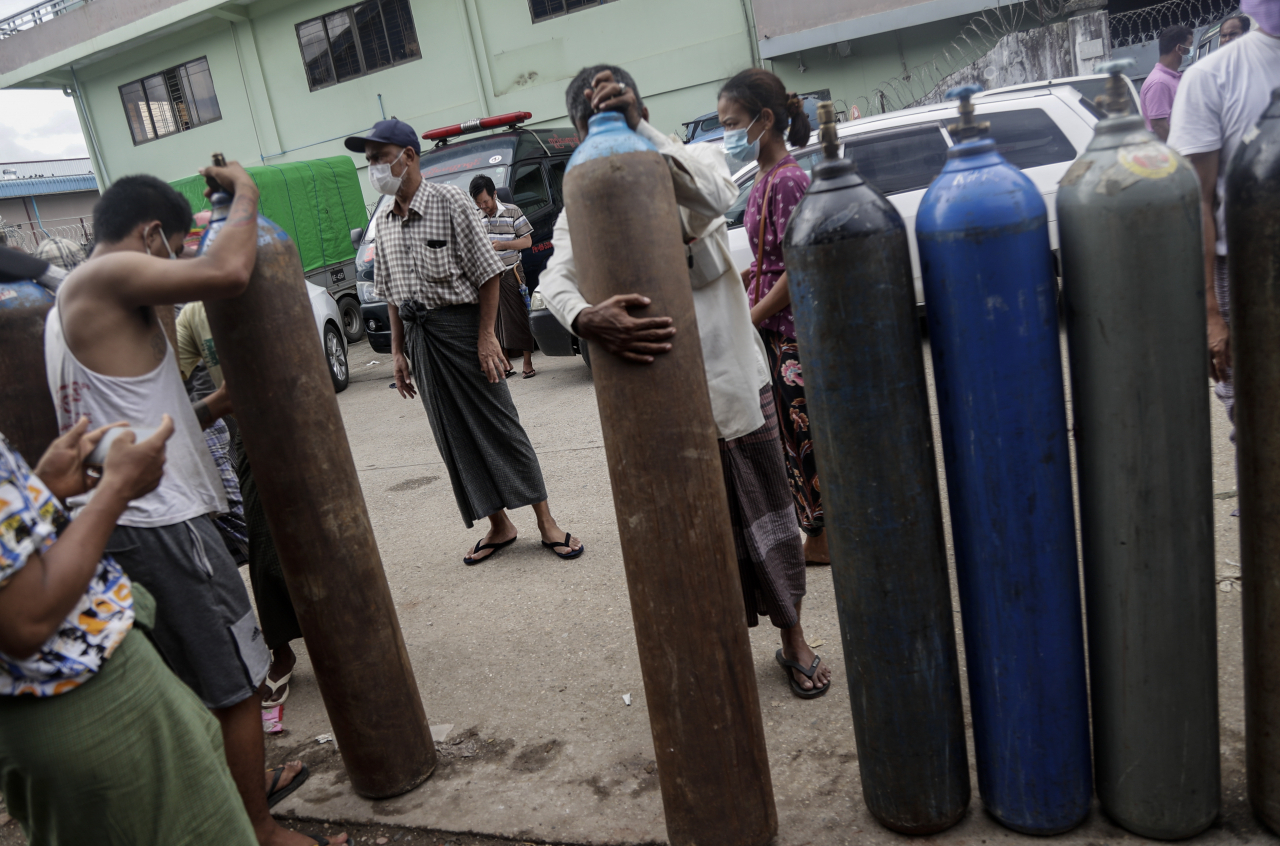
x: 146, y: 244
x: 382, y: 180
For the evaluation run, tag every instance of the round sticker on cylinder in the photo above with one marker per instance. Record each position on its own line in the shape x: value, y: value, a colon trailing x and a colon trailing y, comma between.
x: 495, y: 159
x: 1152, y: 160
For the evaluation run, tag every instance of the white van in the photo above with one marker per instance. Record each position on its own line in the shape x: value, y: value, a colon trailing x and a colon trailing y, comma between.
x: 1039, y: 130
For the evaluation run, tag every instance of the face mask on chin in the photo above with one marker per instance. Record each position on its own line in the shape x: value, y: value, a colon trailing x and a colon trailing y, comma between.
x: 737, y: 149
x: 382, y: 180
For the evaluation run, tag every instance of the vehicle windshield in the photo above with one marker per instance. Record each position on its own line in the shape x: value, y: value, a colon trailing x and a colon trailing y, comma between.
x: 462, y: 179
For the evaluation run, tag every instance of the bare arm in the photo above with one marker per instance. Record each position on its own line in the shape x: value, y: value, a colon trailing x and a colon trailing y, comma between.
x: 1206, y: 165
x: 778, y: 298
x: 492, y: 361
x: 518, y: 244
x: 401, y: 364
x: 1160, y: 126
x: 39, y: 597
x: 212, y: 408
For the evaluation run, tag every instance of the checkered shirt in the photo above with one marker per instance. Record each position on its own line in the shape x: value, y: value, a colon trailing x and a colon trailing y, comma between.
x: 439, y: 254
x: 509, y: 224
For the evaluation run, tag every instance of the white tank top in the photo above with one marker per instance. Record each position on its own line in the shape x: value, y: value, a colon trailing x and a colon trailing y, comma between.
x: 191, y: 485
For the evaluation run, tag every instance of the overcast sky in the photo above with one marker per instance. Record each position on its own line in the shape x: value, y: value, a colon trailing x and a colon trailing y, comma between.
x: 37, y: 124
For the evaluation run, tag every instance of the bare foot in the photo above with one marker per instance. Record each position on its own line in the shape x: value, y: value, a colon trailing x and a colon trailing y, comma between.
x: 815, y: 550
x: 796, y: 649
x: 282, y: 663
x: 500, y: 531
x: 291, y: 770
x: 280, y: 836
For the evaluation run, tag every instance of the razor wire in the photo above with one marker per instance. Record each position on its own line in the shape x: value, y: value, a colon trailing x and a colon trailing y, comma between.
x: 975, y: 40
x: 28, y: 236
x: 1142, y: 25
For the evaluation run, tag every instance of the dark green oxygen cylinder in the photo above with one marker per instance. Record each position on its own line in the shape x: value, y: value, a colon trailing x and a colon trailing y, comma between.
x: 1133, y: 284
x: 1253, y: 244
x: 855, y: 313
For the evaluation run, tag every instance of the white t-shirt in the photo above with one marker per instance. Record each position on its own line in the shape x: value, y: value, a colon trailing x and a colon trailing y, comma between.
x: 1221, y: 97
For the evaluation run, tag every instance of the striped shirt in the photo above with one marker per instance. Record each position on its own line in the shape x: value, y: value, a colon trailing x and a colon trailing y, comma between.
x: 509, y: 224
x: 437, y: 254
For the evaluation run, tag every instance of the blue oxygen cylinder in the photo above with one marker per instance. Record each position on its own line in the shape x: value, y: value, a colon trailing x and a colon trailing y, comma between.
x: 988, y: 277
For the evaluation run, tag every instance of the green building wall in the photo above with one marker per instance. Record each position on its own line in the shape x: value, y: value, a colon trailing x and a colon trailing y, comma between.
x: 479, y: 57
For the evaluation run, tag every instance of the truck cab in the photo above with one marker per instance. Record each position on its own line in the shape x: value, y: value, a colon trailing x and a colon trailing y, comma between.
x: 526, y: 165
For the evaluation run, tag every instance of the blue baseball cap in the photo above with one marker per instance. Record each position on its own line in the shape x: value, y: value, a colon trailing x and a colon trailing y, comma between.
x: 391, y: 131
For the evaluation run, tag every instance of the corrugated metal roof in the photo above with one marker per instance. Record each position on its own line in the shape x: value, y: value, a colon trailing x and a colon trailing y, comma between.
x: 50, y: 167
x: 49, y: 185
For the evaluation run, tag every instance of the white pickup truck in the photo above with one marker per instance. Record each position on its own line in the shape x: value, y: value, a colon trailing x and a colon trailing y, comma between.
x: 1040, y: 128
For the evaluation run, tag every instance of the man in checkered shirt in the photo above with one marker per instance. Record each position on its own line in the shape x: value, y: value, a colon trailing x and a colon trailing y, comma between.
x: 435, y: 267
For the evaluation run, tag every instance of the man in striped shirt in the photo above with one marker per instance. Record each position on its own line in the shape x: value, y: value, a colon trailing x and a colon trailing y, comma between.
x: 509, y: 232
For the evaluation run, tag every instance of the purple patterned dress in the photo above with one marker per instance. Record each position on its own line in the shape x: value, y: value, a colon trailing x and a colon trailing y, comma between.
x: 788, y: 183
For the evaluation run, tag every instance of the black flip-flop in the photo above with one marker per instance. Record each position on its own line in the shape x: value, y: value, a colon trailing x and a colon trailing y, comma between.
x: 788, y: 665
x: 276, y: 796
x: 530, y: 374
x: 320, y: 839
x: 572, y: 553
x: 481, y: 546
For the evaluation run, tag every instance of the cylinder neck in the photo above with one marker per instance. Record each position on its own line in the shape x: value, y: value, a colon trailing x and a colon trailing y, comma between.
x: 607, y: 122
x: 221, y: 202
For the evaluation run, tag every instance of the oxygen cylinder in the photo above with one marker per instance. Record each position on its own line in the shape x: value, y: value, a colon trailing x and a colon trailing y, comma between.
x: 1133, y: 284
x: 27, y: 418
x: 686, y: 597
x: 851, y: 294
x: 1253, y: 244
x: 292, y: 430
x: 989, y: 294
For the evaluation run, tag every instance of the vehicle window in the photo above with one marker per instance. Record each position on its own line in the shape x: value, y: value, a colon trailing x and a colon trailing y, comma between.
x: 462, y: 179
x: 378, y: 208
x: 1029, y: 138
x: 555, y: 170
x: 529, y: 188
x: 734, y: 216
x: 898, y: 160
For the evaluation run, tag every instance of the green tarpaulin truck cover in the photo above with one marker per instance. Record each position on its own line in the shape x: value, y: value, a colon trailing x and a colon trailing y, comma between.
x: 318, y: 202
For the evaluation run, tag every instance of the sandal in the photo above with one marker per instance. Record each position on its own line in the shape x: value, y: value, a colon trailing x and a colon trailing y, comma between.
x: 788, y: 665
x: 481, y: 546
x: 275, y: 796
x: 272, y: 687
x: 529, y: 374
x: 572, y: 553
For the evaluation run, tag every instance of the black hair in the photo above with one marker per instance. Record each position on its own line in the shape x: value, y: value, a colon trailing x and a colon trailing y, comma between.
x: 138, y: 199
x: 1172, y: 37
x: 1244, y: 23
x: 579, y: 106
x: 756, y: 89
x: 482, y: 185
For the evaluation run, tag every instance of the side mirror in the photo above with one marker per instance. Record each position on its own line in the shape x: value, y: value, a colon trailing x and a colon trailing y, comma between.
x: 356, y: 236
x: 504, y: 194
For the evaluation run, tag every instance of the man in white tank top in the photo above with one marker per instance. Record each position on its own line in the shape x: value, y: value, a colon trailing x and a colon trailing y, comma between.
x: 108, y: 359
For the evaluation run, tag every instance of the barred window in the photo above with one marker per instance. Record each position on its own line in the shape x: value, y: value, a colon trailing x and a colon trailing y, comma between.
x: 173, y: 100
x: 543, y: 10
x: 356, y: 41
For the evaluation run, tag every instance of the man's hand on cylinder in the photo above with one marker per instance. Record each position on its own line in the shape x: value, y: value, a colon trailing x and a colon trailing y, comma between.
x: 492, y: 360
x: 403, y: 383
x: 232, y: 177
x: 1219, y: 350
x: 636, y: 339
x: 606, y: 95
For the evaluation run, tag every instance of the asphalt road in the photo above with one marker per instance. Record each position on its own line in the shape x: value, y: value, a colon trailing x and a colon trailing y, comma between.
x: 523, y: 662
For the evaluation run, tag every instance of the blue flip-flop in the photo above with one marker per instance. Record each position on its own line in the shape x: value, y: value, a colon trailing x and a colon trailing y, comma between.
x: 572, y: 553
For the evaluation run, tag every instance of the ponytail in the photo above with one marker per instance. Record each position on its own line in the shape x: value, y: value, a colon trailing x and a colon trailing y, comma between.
x: 798, y: 133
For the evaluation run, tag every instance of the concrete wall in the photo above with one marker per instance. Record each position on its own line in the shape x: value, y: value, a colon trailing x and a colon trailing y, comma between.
x: 875, y: 62
x: 60, y: 214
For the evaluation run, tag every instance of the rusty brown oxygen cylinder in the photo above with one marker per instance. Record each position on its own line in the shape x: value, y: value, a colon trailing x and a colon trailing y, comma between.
x: 292, y: 429
x: 671, y: 503
x: 1253, y: 245
x: 27, y: 418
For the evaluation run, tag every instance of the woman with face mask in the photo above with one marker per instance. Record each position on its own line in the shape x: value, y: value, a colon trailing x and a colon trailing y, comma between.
x: 760, y: 119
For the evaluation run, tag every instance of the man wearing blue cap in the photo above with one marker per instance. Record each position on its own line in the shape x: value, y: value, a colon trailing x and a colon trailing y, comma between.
x: 435, y: 267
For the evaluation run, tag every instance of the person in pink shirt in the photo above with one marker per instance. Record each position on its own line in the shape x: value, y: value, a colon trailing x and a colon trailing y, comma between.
x: 1162, y: 83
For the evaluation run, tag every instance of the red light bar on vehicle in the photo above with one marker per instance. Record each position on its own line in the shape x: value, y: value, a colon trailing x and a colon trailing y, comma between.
x: 476, y: 125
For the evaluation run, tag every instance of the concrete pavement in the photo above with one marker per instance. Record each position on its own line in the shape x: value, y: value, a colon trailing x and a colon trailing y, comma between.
x: 523, y: 661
